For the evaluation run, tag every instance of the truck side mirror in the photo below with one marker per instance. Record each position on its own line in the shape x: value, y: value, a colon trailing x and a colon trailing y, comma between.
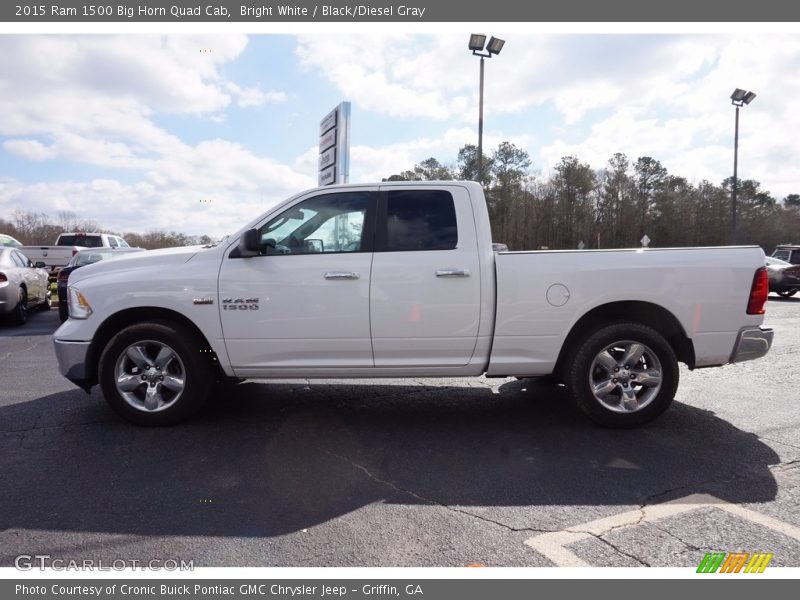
x: 250, y: 243
x: 39, y: 265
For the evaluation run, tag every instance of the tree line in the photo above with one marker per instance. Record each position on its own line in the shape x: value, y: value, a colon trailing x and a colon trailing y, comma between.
x: 613, y: 207
x: 34, y: 229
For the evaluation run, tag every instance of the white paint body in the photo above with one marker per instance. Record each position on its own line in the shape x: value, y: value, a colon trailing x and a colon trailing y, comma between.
x: 510, y: 316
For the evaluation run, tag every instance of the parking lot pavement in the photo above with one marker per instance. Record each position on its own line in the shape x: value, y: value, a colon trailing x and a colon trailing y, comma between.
x: 435, y: 472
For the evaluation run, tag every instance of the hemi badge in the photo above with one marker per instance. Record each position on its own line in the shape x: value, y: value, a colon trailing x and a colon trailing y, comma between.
x: 203, y: 301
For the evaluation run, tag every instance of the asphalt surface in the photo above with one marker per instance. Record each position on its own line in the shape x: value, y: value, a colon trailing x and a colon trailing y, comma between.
x: 434, y: 472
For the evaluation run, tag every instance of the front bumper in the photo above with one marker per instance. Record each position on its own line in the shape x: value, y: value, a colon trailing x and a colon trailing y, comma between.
x: 751, y: 343
x: 72, y: 361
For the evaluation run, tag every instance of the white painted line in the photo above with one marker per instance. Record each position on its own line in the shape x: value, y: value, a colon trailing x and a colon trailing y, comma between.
x: 554, y: 545
x: 762, y: 519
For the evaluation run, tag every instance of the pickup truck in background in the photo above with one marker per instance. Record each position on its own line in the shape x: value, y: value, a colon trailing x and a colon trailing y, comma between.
x: 788, y: 252
x: 400, y: 279
x: 67, y: 245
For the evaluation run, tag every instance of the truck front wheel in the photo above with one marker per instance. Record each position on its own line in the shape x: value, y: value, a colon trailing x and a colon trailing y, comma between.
x: 623, y: 375
x: 154, y: 374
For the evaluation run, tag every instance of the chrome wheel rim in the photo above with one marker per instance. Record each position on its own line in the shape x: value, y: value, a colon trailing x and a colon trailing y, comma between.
x: 150, y: 376
x: 625, y: 376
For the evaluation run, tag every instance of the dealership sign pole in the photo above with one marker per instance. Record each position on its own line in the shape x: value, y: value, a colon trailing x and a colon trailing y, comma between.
x: 334, y: 146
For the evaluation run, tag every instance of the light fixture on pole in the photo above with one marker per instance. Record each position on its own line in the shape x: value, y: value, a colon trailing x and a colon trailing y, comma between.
x: 739, y: 98
x: 477, y: 41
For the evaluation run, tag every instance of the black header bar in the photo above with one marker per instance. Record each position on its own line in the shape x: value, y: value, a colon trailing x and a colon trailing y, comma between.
x: 414, y: 11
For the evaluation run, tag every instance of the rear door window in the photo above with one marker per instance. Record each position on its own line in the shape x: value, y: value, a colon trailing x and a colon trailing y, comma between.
x: 420, y: 220
x: 19, y: 259
x: 782, y: 254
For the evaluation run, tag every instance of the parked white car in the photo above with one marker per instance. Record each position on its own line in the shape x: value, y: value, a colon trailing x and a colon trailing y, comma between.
x: 23, y: 286
x: 400, y: 279
x: 8, y: 241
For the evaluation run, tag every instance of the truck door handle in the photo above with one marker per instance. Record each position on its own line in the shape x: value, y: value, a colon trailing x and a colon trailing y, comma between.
x: 452, y: 272
x: 341, y: 275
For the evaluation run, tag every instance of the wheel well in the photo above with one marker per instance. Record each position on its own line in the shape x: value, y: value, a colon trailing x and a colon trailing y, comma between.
x: 645, y: 313
x: 118, y: 321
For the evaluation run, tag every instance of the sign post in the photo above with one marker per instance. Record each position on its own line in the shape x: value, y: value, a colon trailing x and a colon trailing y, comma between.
x: 334, y: 146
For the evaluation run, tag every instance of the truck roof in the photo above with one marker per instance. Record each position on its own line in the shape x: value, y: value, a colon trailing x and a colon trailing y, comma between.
x: 424, y: 183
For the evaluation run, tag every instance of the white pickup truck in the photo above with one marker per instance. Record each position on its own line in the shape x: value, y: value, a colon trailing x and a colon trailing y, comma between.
x: 400, y: 280
x: 67, y: 245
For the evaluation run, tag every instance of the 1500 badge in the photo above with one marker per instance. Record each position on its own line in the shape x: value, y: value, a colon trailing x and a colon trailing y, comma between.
x: 240, y: 304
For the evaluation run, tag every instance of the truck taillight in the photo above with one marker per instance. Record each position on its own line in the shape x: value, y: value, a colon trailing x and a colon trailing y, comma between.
x: 74, y: 252
x: 758, y: 293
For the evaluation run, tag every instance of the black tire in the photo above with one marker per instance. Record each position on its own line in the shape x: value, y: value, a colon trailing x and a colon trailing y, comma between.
x: 48, y: 302
x: 63, y: 311
x: 648, y: 401
x: 192, y: 367
x: 786, y: 293
x: 19, y: 316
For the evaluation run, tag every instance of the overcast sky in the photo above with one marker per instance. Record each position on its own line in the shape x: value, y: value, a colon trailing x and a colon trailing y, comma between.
x: 202, y: 133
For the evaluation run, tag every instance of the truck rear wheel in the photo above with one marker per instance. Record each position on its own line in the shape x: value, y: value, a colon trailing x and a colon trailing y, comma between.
x: 154, y: 374
x: 623, y: 375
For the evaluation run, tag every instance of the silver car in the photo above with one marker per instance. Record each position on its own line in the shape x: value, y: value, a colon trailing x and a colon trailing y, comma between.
x: 23, y: 286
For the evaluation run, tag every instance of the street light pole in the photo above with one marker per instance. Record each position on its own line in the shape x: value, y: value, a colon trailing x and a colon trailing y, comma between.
x: 476, y: 44
x: 735, y: 179
x: 480, y: 127
x: 739, y: 98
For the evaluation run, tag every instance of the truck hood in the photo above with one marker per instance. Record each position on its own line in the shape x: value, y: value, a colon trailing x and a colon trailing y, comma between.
x: 152, y: 259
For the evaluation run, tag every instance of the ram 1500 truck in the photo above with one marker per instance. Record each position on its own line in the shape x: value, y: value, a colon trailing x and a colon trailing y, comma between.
x: 400, y: 279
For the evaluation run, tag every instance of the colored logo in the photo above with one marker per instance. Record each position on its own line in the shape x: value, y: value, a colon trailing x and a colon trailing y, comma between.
x: 734, y: 562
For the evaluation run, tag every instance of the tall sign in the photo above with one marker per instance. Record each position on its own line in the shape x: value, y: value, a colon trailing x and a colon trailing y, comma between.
x: 334, y: 146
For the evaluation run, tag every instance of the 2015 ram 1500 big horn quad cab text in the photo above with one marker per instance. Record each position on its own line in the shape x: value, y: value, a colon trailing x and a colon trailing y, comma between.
x: 400, y: 280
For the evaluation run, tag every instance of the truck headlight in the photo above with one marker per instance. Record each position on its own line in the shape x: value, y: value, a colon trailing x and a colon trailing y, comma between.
x: 79, y: 307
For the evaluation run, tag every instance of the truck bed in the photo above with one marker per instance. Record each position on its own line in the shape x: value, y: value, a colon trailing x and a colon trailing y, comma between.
x: 54, y: 257
x: 542, y: 294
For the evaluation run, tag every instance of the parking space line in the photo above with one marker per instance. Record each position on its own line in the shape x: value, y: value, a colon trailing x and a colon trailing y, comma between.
x: 553, y: 545
x: 761, y: 519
